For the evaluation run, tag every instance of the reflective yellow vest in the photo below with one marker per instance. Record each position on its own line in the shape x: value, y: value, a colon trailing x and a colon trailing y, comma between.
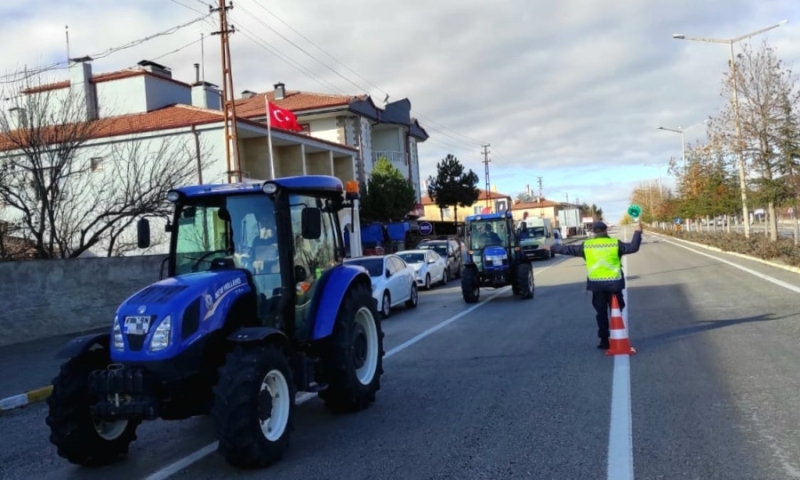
x: 602, y: 259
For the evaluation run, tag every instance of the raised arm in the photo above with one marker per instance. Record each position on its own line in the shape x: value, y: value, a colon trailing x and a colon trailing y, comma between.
x: 571, y: 250
x: 627, y: 248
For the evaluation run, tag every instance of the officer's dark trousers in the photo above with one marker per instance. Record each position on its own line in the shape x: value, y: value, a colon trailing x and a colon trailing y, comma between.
x: 601, y: 301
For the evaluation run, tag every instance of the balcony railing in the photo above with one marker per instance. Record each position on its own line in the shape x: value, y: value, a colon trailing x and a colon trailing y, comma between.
x: 398, y: 159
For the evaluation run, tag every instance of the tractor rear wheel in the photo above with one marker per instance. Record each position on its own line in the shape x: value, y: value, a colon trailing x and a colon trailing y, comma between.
x: 354, y: 360
x: 525, y: 280
x: 80, y: 438
x: 470, y: 287
x: 254, y: 406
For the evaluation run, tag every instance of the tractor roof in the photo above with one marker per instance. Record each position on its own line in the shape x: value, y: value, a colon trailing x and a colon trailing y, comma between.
x: 316, y: 183
x: 488, y: 216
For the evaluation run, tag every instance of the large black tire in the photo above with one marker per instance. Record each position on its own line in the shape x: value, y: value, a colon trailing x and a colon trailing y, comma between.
x: 72, y: 428
x: 525, y: 284
x: 470, y: 286
x: 239, y: 408
x: 356, y: 343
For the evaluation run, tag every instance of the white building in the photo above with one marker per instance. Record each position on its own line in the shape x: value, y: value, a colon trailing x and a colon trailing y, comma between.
x: 146, y: 106
x: 355, y: 121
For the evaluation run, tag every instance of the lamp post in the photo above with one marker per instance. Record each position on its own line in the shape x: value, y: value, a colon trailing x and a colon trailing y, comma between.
x: 683, y: 138
x: 730, y: 42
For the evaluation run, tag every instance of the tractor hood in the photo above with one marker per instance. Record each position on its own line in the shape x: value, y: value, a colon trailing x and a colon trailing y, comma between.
x: 494, y: 251
x: 172, y: 295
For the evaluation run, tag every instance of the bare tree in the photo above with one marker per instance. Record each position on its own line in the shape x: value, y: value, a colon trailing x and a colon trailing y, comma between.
x: 765, y: 88
x: 72, y: 193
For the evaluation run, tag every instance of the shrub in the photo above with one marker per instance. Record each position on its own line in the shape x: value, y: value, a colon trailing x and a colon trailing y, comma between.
x: 782, y: 251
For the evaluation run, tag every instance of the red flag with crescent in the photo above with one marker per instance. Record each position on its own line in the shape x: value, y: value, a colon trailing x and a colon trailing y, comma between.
x: 283, y: 118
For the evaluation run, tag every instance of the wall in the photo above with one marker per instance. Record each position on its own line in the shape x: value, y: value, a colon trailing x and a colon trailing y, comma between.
x: 52, y: 297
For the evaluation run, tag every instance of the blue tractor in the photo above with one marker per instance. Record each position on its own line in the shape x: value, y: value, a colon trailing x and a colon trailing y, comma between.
x: 255, y: 307
x: 494, y: 258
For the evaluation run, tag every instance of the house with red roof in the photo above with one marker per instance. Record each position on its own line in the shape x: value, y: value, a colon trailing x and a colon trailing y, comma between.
x: 146, y: 104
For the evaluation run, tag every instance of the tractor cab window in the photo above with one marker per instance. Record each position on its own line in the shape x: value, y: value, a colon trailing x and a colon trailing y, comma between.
x: 239, y: 228
x: 488, y: 233
x: 312, y: 257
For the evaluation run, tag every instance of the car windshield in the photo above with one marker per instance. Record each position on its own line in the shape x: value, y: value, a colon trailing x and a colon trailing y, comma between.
x: 533, y: 232
x: 239, y: 227
x: 439, y: 248
x: 484, y: 233
x: 373, y: 265
x: 412, y: 257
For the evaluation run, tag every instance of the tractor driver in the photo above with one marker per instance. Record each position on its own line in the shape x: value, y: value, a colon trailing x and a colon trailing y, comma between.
x: 489, y: 237
x: 265, y: 245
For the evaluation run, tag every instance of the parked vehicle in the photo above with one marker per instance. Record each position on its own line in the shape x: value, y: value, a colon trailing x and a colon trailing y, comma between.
x: 256, y: 307
x: 393, y: 281
x: 450, y: 249
x: 534, y: 233
x: 429, y: 267
x: 494, y: 260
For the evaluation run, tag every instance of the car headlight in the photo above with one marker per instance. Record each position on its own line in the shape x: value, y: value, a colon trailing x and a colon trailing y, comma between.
x: 119, y: 342
x: 161, y: 336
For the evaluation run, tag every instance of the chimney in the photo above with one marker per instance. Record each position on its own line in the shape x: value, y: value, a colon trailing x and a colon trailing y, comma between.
x: 155, y: 68
x: 248, y: 94
x: 280, y: 91
x: 82, y: 88
x: 206, y: 95
x: 196, y: 73
x: 17, y: 118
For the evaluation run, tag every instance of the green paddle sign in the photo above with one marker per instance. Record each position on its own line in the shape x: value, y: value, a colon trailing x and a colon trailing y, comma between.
x: 634, y: 211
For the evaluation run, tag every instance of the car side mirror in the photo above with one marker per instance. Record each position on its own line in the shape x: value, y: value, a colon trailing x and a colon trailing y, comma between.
x: 388, y: 273
x: 143, y: 233
x: 311, y: 220
x: 431, y: 261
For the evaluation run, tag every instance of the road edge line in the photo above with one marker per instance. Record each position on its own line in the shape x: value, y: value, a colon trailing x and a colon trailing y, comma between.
x: 760, y: 275
x: 788, y: 268
x: 194, y: 457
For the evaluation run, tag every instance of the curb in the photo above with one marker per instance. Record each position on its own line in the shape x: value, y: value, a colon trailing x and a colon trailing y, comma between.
x: 25, y: 399
x: 735, y: 254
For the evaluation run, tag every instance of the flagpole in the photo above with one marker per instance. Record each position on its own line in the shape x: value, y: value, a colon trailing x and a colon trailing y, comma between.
x: 269, y: 137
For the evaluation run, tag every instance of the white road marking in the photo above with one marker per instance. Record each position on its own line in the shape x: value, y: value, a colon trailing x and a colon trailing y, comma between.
x: 177, y: 466
x: 760, y: 275
x: 620, y: 434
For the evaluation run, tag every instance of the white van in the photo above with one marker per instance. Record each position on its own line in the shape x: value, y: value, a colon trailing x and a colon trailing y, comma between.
x: 533, y: 233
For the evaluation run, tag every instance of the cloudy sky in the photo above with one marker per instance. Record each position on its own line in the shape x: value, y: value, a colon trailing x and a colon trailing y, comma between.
x: 568, y: 90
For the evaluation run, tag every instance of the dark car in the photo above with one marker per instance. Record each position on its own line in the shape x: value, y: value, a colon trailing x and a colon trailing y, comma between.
x: 451, y: 249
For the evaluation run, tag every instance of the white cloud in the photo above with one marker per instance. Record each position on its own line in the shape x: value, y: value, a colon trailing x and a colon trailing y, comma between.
x: 553, y: 86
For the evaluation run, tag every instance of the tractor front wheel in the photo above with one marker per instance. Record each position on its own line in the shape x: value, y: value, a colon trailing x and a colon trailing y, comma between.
x: 354, y: 360
x: 470, y: 287
x: 254, y: 406
x: 79, y: 437
x: 525, y: 280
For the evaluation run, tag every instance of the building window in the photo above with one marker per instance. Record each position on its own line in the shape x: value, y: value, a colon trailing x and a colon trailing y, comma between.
x: 501, y: 206
x: 97, y: 164
x: 447, y: 213
x: 477, y: 210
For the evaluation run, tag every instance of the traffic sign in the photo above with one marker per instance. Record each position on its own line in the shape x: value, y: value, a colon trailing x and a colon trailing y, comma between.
x: 425, y: 228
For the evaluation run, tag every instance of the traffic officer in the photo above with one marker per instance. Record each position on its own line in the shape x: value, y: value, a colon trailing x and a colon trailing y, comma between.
x: 605, y: 278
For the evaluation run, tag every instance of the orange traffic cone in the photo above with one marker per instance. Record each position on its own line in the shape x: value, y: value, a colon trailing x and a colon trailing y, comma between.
x: 619, y: 344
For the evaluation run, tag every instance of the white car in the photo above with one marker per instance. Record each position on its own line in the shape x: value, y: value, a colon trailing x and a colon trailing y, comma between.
x: 392, y: 281
x: 428, y: 265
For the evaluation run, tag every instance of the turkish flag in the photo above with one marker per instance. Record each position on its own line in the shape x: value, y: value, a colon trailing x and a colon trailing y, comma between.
x: 283, y: 118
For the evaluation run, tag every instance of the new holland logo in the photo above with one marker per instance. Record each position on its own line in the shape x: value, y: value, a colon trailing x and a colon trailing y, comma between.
x: 142, y: 309
x: 209, y: 301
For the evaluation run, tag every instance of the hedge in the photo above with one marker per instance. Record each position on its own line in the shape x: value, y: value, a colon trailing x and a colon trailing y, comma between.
x: 782, y: 251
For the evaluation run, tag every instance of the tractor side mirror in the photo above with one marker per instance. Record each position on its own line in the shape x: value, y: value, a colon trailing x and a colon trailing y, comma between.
x: 143, y: 233
x: 311, y: 223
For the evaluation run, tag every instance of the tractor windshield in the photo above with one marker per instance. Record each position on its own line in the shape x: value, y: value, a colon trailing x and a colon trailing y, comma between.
x: 237, y: 227
x: 485, y: 233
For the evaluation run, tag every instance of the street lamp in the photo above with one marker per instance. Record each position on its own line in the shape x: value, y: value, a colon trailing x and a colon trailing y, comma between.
x: 730, y: 42
x: 683, y: 139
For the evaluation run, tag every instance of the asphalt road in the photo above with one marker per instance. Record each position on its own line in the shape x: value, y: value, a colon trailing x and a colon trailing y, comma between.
x: 515, y: 388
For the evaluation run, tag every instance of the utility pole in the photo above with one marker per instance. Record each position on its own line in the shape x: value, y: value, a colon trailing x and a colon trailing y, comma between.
x: 541, y: 192
x: 229, y: 108
x: 486, y: 162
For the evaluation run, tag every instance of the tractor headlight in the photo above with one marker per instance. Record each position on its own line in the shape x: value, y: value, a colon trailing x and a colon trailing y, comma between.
x: 161, y: 336
x: 119, y: 343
